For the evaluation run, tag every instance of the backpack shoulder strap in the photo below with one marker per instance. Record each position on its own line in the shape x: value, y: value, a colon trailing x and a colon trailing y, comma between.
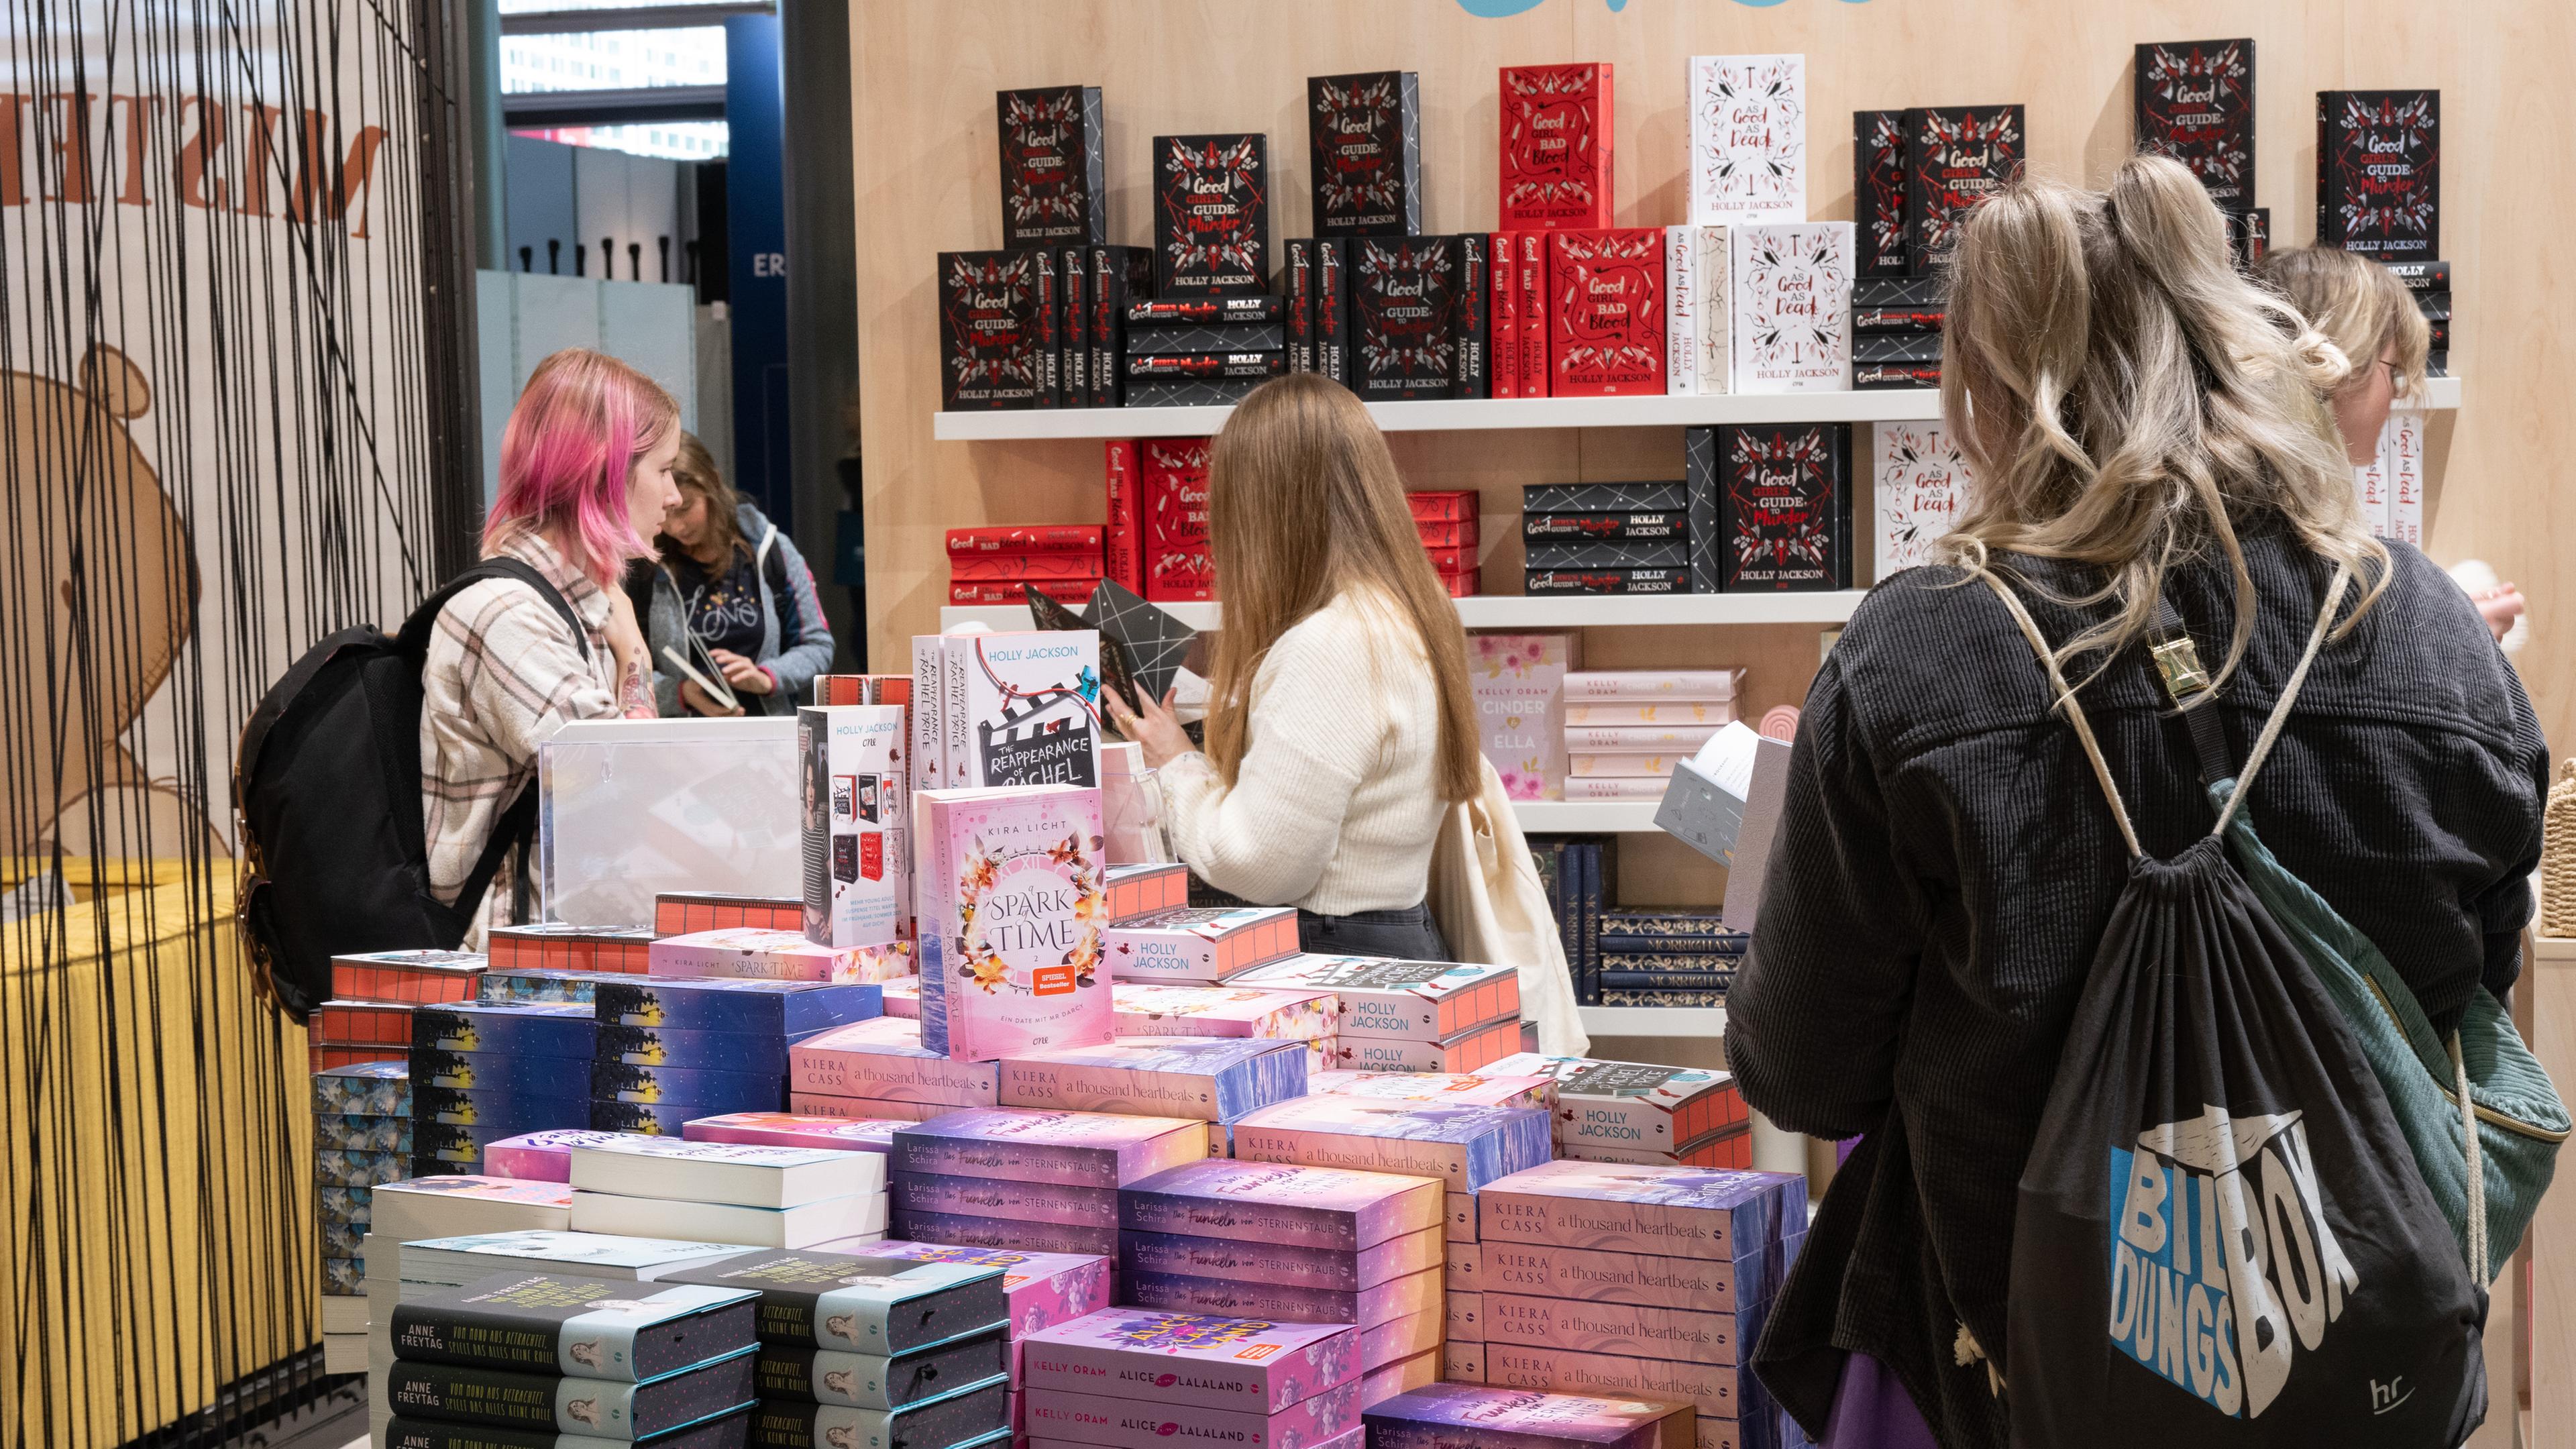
x: 2066, y: 701
x: 2289, y: 693
x: 2187, y: 684
x: 414, y: 638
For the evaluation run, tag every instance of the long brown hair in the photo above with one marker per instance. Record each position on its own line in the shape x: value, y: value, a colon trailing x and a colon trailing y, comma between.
x: 2135, y: 397
x: 695, y: 473
x: 1304, y: 506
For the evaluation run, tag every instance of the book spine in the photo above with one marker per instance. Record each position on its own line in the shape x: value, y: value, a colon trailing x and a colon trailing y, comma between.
x: 1050, y: 329
x: 1681, y: 312
x: 1095, y: 149
x: 1300, y: 263
x: 1333, y: 308
x: 2327, y: 211
x: 1075, y: 346
x: 1588, y: 902
x: 1535, y: 347
x: 1699, y: 466
x: 1474, y: 322
x: 956, y: 726
x: 1107, y: 297
x: 1716, y: 310
x: 1503, y: 312
x: 1123, y: 553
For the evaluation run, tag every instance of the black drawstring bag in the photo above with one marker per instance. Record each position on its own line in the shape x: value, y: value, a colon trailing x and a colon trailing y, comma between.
x: 2221, y: 1236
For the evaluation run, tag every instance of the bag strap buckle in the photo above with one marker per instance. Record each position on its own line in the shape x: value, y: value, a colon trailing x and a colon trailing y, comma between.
x: 2178, y: 661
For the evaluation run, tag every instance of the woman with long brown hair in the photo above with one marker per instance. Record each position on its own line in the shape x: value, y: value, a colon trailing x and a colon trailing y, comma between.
x: 2142, y: 426
x: 1340, y: 728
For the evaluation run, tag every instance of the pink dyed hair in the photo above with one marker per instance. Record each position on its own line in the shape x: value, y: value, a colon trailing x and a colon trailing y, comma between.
x: 569, y: 452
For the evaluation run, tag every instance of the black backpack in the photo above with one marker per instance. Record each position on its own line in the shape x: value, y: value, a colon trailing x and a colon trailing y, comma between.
x: 327, y: 783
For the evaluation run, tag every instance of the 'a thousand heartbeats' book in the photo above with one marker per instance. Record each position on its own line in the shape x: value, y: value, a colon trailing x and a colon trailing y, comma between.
x: 884, y: 1060
x: 1678, y: 1211
x: 2195, y: 103
x: 1466, y: 1147
x: 1078, y: 1149
x: 1555, y: 148
x: 1212, y: 1079
x: 1012, y: 911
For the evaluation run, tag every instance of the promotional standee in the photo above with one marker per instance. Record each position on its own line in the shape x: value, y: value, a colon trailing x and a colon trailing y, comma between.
x: 987, y: 1132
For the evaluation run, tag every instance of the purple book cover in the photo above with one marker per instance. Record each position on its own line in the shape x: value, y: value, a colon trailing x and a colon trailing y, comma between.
x: 1211, y: 1079
x: 1398, y: 1339
x: 1466, y: 1147
x: 1684, y: 1335
x: 883, y: 1058
x: 1677, y: 1211
x: 1327, y: 1268
x: 1469, y: 1416
x: 1252, y: 1364
x: 1367, y: 1307
x: 1055, y: 1414
x: 1718, y: 1391
x: 1001, y: 1197
x: 1043, y: 1288
x: 790, y: 1129
x: 1281, y: 1204
x: 975, y: 1230
x: 1483, y: 1088
x: 1082, y: 1149
x: 539, y: 1156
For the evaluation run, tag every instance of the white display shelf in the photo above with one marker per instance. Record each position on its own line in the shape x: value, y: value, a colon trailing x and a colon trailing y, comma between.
x: 1585, y: 817
x: 1893, y: 405
x: 1536, y: 611
x: 1696, y: 1022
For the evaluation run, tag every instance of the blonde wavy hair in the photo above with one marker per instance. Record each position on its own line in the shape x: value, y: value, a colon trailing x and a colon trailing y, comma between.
x: 2356, y: 304
x: 2128, y: 399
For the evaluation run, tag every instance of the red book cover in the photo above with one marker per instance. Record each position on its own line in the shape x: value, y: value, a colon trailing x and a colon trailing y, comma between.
x: 1505, y: 312
x: 1533, y: 309
x: 1123, y: 557
x: 1555, y: 152
x: 1026, y: 538
x: 1606, y: 321
x: 1072, y: 593
x: 1177, y: 566
x: 1023, y: 567
x: 1452, y: 560
x: 1462, y: 585
x: 1448, y: 505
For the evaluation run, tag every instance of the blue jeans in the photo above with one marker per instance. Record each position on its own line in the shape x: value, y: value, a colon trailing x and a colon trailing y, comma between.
x: 1408, y: 934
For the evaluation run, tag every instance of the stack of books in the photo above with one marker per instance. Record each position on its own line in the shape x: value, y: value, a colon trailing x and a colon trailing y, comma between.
x: 485, y: 1070
x: 1407, y: 1016
x: 1197, y: 351
x: 1896, y: 331
x: 539, y: 1156
x: 1198, y: 946
x: 344, y: 1033
x: 1138, y: 1376
x: 794, y: 1129
x: 754, y: 953
x: 1642, y: 1113
x: 1446, y: 523
x: 1606, y: 538
x: 1014, y: 1178
x: 542, y: 983
x: 878, y: 1070
x: 677, y: 913
x: 998, y: 565
x: 1488, y: 1088
x: 412, y: 976
x: 673, y: 1049
x: 869, y: 1350
x: 1157, y: 535
x: 1216, y: 1080
x: 1625, y: 729
x: 1465, y: 1147
x: 1444, y: 1416
x: 1044, y: 1289
x: 1580, y: 874
x: 547, y: 1354
x: 771, y: 1197
x: 1666, y: 958
x: 2430, y: 282
x: 1298, y: 1014
x: 437, y: 1207
x: 361, y: 1126
x: 1638, y: 1280
x: 557, y: 947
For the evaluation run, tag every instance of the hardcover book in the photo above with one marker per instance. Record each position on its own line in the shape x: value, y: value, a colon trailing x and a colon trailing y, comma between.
x: 1212, y: 1079
x: 776, y: 1010
x: 2401, y: 444
x: 1409, y: 1000
x: 1286, y: 1205
x: 1199, y: 337
x: 855, y: 848
x: 1748, y: 138
x: 1555, y: 151
x: 1119, y: 277
x: 1052, y: 140
x: 1681, y: 310
x: 546, y: 1404
x: 1634, y: 1105
x: 413, y: 976
x: 876, y: 1381
x: 1792, y: 307
x: 1955, y: 157
x: 1606, y: 318
x: 2195, y: 103
x: 1331, y: 1270
x: 1011, y: 926
x: 1199, y: 945
x: 1073, y: 345
x: 1677, y: 1212
x: 1205, y: 366
x: 1053, y: 1416
x: 1124, y: 483
x: 1471, y: 318
x: 910, y: 1195
x: 1403, y: 295
x: 723, y: 1172
x: 1366, y: 131
x: 1545, y: 498
x: 989, y: 325
x: 789, y: 1129
x: 863, y: 1305
x: 1211, y: 215
x: 565, y: 948
x: 1190, y: 1358
x: 1333, y: 307
x: 1720, y: 1392
x: 1465, y: 1147
x: 1158, y: 314
x: 1879, y: 193
x: 1465, y: 1051
x: 1518, y: 681
x: 1297, y: 283
x: 1922, y: 481
x: 1484, y: 1089
x: 1503, y: 313
x: 1077, y: 1149
x: 2379, y: 173
x: 1538, y: 329
x: 971, y: 1418
x: 1176, y: 562
x: 750, y: 954
x: 1469, y: 1416
x: 1664, y: 553
x: 470, y: 1258
x: 1032, y: 708
x: 885, y: 1059
x: 1185, y: 392
x: 1043, y: 1288
x: 1784, y: 507
x: 579, y: 1327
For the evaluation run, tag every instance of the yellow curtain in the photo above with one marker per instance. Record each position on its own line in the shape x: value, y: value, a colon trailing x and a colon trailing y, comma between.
x: 156, y: 1151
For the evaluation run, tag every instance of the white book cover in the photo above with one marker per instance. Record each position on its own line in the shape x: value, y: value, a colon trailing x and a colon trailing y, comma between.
x: 801, y: 1226
x: 929, y: 747
x: 1748, y: 138
x: 585, y: 1255
x: 737, y: 1173
x: 2370, y: 481
x: 2401, y: 458
x: 1032, y: 708
x: 1716, y: 306
x: 857, y: 831
x: 955, y: 652
x: 1681, y: 311
x: 443, y: 1207
x: 1792, y: 306
x: 1922, y: 480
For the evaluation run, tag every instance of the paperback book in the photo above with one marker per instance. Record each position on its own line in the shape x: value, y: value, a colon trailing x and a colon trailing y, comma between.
x: 1152, y: 1009
x: 876, y: 1381
x: 1052, y: 142
x: 1210, y: 1079
x: 1674, y: 1211
x: 1366, y: 132
x: 1484, y: 1089
x: 1199, y: 945
x: 790, y: 1129
x: 1465, y: 1147
x: 1192, y: 1359
x: 751, y: 954
x: 1748, y: 138
x: 1634, y: 1105
x: 1555, y: 149
x: 1471, y: 1416
x: 1422, y: 1001
x: 1329, y: 1270
x: 885, y: 1059
x: 1282, y: 1204
x: 1212, y: 215
x: 1076, y: 1149
x: 1042, y: 1288
x: 856, y: 851
x: 1011, y: 928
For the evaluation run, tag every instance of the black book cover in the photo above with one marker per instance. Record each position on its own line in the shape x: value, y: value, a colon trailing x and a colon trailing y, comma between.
x: 1367, y: 136
x: 1051, y: 164
x: 461, y: 1393
x: 988, y: 331
x: 2422, y: 276
x: 1923, y: 292
x: 1073, y: 349
x: 1164, y: 392
x: 2195, y: 103
x: 1882, y: 376
x: 1402, y: 293
x: 1878, y: 192
x: 1955, y: 157
x: 1299, y: 270
x: 1606, y: 581
x: 1622, y: 526
x: 1866, y: 320
x: 1050, y: 331
x: 1119, y: 275
x: 1700, y: 485
x: 1333, y: 308
x: 1470, y: 312
x: 733, y: 1431
x: 2379, y: 173
x: 1876, y: 347
x: 1211, y: 215
x: 1168, y: 366
x: 1199, y: 337
x: 1784, y: 507
x: 880, y: 1306
x: 2249, y: 236
x: 960, y: 1418
x: 1183, y: 311
x: 583, y: 1327
x: 871, y: 1382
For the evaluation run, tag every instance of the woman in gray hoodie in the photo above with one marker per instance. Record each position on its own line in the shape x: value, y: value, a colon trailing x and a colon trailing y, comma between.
x: 730, y: 595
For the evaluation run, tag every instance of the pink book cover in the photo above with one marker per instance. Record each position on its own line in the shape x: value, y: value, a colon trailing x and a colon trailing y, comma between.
x: 539, y: 1156
x: 1364, y: 1307
x: 1658, y: 714
x: 1470, y: 1416
x: 1460, y: 1225
x: 1208, y: 1078
x: 1002, y: 1197
x: 1648, y: 1280
x: 1465, y: 1147
x: 1677, y: 1211
x: 1281, y: 1204
x: 1043, y: 1288
x: 883, y: 1057
x: 1519, y: 686
x: 1141, y: 1424
x: 863, y: 1109
x: 791, y: 1129
x: 1478, y: 1088
x: 1654, y: 684
x: 1080, y: 1149
x: 1424, y: 1001
x: 751, y: 953
x: 1466, y: 1318
x: 975, y: 1230
x: 1402, y: 1376
x: 903, y: 998
x: 1641, y: 739
x: 1012, y: 909
x: 1155, y: 1009
x: 1614, y: 787
x: 1461, y: 1363
x: 1201, y: 945
x: 1252, y: 1364
x: 1401, y: 1338
x: 1467, y: 1051
x: 1716, y: 1390
x: 1333, y: 1270
x: 1463, y: 1270
x: 1684, y: 1335
x: 1143, y: 889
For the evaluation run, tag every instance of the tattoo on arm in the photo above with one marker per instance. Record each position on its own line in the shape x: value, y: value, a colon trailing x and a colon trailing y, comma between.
x: 634, y: 695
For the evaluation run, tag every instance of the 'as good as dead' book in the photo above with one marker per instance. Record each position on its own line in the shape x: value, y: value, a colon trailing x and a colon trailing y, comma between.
x: 1051, y: 150
x: 1555, y: 147
x: 1367, y: 136
x: 2196, y: 104
x: 2379, y: 178
x: 1748, y: 138
x: 1922, y: 482
x: 1784, y: 507
x: 990, y: 354
x: 1211, y: 215
x: 1955, y: 157
x: 1792, y: 306
x: 1607, y: 312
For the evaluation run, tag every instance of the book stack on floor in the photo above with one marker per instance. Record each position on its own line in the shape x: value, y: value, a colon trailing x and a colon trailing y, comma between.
x: 1607, y: 538
x: 1010, y: 1177
x: 1407, y: 1016
x: 795, y: 1129
x: 879, y: 1070
x: 1471, y: 1416
x: 755, y: 953
x: 547, y: 1354
x: 1625, y: 729
x: 1216, y: 1080
x: 437, y: 1207
x: 1138, y: 1378
x: 1299, y: 1245
x: 1044, y: 1289
x: 1666, y: 958
x: 1651, y: 1281
x: 769, y: 1197
x: 485, y: 1070
x: 873, y: 1351
x: 1446, y: 523
x: 672, y: 1049
x: 345, y: 1033
x: 542, y: 983
x: 554, y: 947
x: 1642, y: 1113
x: 1580, y: 874
x: 998, y: 565
x: 1297, y: 1014
x: 361, y: 1126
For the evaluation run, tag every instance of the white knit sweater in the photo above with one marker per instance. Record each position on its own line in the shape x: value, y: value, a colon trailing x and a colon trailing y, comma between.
x: 1336, y: 804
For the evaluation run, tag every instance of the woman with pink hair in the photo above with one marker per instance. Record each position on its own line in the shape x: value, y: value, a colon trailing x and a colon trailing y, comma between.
x: 585, y: 479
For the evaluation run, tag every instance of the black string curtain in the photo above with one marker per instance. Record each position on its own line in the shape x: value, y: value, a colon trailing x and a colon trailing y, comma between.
x: 234, y: 416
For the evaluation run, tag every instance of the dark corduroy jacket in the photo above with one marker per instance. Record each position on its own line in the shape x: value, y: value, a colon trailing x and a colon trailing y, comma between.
x: 1946, y: 863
